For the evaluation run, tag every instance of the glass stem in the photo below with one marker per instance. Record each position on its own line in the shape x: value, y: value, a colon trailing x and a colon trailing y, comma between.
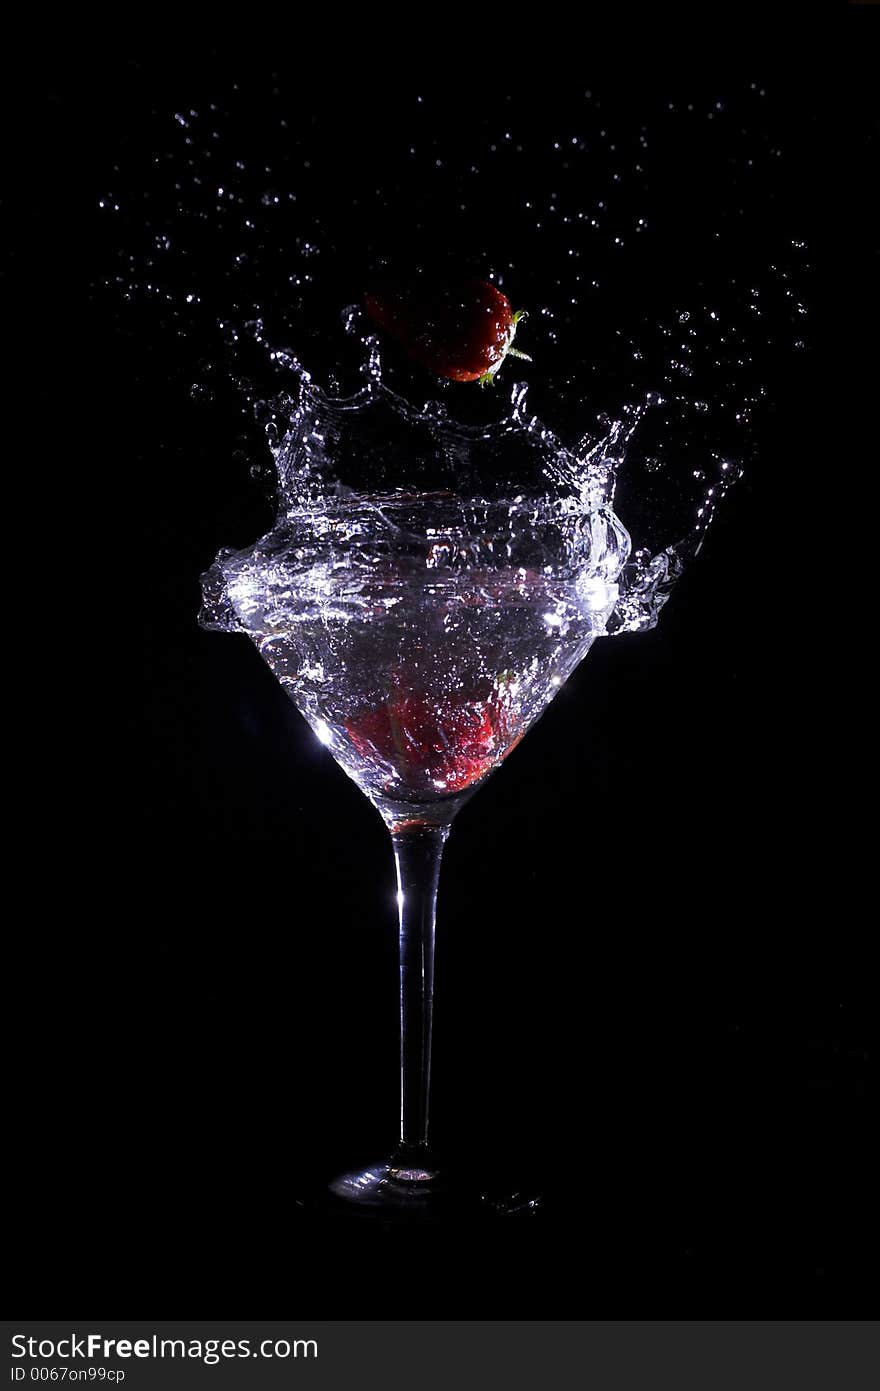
x: 418, y: 851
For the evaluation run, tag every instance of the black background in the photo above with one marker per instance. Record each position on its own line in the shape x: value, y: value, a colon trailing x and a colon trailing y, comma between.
x: 652, y: 991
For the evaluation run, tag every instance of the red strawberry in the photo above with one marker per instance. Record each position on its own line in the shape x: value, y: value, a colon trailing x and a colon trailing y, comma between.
x: 462, y: 332
x: 436, y: 742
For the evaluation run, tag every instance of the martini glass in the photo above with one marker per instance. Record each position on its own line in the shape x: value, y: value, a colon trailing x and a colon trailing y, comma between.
x: 421, y: 632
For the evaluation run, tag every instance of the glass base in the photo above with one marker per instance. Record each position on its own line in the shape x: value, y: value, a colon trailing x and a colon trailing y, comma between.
x: 411, y: 1187
x: 408, y: 1185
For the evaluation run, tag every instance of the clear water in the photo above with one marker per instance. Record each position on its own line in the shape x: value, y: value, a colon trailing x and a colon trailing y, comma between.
x: 666, y: 294
x: 419, y: 635
x: 421, y: 632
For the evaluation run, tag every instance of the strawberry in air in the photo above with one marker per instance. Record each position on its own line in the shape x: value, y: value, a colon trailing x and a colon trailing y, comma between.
x: 461, y: 332
x: 441, y: 743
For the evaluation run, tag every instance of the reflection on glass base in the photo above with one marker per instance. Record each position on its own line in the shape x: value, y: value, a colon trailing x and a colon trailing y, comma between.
x: 411, y: 1187
x: 404, y: 1184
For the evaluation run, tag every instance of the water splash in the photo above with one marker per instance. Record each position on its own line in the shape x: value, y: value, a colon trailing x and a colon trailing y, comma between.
x: 375, y: 446
x: 663, y: 300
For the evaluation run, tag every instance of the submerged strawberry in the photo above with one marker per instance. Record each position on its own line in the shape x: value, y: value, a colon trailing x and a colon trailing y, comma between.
x: 461, y: 332
x: 445, y: 743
